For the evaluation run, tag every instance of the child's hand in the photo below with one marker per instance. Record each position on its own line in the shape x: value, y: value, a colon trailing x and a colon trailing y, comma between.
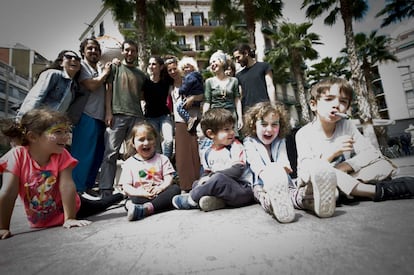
x: 69, y: 223
x: 288, y: 169
x: 4, y: 234
x: 188, y: 102
x: 344, y: 144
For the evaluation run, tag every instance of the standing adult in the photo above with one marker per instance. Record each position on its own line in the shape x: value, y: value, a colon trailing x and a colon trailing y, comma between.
x: 186, y: 146
x: 255, y: 79
x: 222, y: 91
x: 156, y: 92
x: 122, y: 110
x: 56, y: 86
x: 88, y: 115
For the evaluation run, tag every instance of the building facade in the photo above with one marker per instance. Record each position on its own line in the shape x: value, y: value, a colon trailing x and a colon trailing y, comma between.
x: 19, y: 67
x: 396, y: 96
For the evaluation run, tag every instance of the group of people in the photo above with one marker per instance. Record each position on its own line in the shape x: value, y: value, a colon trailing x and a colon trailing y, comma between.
x: 190, y: 143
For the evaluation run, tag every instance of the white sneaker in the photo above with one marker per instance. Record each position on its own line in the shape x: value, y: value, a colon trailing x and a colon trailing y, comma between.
x: 323, y: 187
x: 279, y: 196
x: 210, y: 203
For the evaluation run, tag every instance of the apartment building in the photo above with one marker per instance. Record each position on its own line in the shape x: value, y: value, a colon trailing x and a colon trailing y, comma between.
x: 395, y: 81
x: 19, y: 66
x: 194, y: 25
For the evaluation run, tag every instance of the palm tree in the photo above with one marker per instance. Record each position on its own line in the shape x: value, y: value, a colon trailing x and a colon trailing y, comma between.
x: 124, y: 11
x: 348, y: 10
x: 396, y: 11
x: 225, y: 39
x: 328, y: 67
x: 294, y: 43
x: 230, y: 12
x: 372, y: 49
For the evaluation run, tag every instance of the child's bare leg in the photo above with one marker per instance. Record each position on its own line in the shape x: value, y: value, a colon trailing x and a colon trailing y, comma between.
x: 364, y: 190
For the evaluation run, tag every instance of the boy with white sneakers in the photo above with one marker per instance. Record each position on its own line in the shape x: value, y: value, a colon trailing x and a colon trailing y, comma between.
x: 333, y: 145
x: 226, y: 181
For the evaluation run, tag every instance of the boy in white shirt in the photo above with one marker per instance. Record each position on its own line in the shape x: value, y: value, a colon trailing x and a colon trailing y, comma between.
x: 360, y: 169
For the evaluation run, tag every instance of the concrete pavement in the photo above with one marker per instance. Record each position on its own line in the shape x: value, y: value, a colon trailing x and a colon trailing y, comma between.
x: 362, y: 238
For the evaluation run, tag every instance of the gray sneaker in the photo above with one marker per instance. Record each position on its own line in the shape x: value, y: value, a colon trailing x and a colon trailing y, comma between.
x: 279, y: 196
x: 210, y: 203
x: 323, y: 188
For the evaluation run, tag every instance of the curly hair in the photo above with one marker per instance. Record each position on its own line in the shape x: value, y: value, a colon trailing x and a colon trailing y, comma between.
x: 259, y: 111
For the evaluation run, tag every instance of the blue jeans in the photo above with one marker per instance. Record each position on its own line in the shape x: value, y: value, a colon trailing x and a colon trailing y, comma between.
x: 88, y: 148
x: 165, y: 128
x: 114, y: 136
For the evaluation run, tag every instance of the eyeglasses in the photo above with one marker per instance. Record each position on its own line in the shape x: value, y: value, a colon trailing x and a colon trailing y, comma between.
x: 70, y: 57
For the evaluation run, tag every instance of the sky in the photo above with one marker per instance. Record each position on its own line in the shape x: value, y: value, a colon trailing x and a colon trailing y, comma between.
x: 49, y: 26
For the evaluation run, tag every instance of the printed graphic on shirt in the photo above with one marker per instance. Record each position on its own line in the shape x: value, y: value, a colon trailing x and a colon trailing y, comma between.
x: 148, y: 176
x: 40, y: 195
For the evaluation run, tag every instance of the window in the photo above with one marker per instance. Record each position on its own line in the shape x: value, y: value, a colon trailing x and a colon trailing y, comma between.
x: 197, y: 18
x: 179, y: 19
x: 199, y: 41
x: 2, y: 105
x: 181, y: 40
x: 212, y: 22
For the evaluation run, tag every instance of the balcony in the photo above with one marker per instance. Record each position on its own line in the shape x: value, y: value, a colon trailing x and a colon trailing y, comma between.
x: 185, y: 47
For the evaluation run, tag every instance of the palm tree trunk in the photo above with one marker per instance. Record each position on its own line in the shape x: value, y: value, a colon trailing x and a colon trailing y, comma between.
x: 356, y: 76
x: 300, y: 87
x: 141, y: 21
x: 250, y: 22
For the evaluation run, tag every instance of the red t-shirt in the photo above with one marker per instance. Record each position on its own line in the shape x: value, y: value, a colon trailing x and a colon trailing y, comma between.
x: 39, y: 186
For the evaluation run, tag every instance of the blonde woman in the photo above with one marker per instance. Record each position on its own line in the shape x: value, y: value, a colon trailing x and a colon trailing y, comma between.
x: 221, y: 90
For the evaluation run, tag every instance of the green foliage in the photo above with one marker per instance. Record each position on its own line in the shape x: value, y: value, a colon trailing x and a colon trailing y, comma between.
x: 225, y: 39
x: 315, y: 8
x: 396, y: 11
x: 164, y: 44
x: 328, y: 67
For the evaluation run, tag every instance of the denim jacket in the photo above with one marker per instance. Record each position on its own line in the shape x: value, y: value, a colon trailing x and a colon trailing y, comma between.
x: 52, y: 89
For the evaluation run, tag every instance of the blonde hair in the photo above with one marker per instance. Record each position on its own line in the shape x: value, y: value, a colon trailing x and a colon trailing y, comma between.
x: 259, y: 111
x: 186, y: 60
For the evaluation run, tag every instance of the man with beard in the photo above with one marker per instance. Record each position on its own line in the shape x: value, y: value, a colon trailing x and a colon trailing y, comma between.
x: 255, y: 79
x: 88, y: 114
x: 122, y: 111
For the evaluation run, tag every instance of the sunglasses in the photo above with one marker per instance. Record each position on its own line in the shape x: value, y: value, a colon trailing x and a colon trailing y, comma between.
x: 70, y: 57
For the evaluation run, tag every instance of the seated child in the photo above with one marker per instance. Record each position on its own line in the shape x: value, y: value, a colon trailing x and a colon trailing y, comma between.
x: 226, y: 180
x: 347, y: 157
x: 265, y: 128
x: 147, y: 176
x: 192, y: 85
x: 39, y: 170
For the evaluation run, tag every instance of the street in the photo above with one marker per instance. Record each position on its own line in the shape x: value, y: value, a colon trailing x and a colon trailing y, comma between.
x: 363, y: 237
